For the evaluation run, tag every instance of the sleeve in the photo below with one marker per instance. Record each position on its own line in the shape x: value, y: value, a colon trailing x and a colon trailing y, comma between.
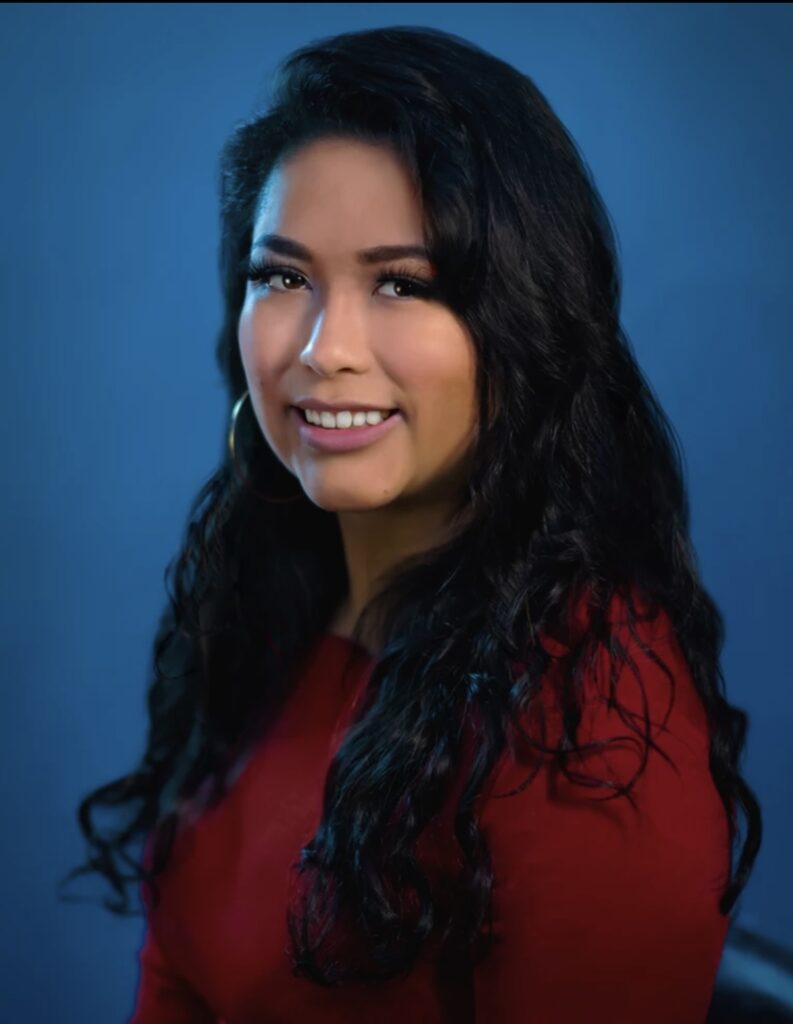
x: 164, y: 996
x: 607, y: 911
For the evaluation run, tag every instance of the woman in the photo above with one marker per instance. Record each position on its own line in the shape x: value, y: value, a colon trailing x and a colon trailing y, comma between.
x: 438, y: 601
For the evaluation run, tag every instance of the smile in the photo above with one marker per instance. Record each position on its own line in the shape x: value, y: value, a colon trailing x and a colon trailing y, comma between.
x: 342, y: 439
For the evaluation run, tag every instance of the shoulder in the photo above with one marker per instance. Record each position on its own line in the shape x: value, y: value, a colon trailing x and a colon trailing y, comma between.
x: 613, y: 884
x: 643, y: 727
x: 639, y: 674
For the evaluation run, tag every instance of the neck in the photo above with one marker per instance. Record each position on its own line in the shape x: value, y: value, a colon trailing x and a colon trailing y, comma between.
x: 377, y: 542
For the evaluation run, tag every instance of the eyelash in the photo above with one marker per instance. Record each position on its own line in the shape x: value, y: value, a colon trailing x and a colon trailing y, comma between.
x: 257, y: 271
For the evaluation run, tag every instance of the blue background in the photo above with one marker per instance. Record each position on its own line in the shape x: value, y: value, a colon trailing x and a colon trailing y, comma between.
x: 112, y: 411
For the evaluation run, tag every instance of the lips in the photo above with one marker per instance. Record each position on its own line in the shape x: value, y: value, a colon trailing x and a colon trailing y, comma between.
x: 343, y: 439
x: 353, y: 408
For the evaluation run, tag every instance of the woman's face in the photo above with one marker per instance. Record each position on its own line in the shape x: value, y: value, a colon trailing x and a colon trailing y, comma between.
x: 325, y: 329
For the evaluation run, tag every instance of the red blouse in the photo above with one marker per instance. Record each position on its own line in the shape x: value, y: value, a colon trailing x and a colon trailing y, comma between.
x: 602, y: 911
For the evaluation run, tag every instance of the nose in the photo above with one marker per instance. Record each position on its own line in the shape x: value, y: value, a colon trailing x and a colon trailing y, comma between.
x: 337, y: 342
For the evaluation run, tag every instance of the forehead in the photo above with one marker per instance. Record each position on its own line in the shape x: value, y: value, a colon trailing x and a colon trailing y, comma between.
x: 340, y: 195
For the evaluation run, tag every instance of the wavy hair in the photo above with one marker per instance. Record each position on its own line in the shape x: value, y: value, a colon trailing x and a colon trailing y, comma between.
x: 576, y: 494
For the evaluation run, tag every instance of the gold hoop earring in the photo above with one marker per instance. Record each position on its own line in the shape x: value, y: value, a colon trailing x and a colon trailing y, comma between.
x: 233, y: 455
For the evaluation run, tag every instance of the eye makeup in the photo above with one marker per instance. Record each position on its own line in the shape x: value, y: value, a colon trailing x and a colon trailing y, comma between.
x: 259, y: 271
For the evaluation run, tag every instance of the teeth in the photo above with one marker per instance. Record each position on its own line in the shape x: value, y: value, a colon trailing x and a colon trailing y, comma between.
x: 344, y: 419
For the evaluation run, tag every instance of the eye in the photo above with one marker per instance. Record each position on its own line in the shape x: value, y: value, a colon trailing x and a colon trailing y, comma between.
x: 263, y: 271
x: 414, y: 285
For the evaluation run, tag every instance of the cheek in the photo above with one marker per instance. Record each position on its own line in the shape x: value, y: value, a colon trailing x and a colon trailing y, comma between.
x: 246, y: 335
x: 262, y: 356
x: 440, y: 382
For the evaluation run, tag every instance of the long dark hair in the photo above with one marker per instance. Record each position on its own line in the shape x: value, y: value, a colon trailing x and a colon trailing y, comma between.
x: 576, y: 493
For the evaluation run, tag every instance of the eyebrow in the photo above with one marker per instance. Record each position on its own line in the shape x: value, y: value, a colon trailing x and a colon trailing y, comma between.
x: 377, y: 254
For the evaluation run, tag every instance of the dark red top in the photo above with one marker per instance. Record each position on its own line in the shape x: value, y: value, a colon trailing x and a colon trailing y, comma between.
x: 603, y: 912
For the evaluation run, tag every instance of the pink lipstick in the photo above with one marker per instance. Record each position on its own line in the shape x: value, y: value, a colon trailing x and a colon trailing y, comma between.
x: 343, y: 439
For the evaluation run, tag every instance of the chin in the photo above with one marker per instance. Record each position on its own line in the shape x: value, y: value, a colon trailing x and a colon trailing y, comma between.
x: 334, y: 500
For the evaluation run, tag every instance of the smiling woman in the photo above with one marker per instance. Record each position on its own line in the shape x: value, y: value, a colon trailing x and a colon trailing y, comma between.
x: 334, y: 335
x: 437, y: 702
